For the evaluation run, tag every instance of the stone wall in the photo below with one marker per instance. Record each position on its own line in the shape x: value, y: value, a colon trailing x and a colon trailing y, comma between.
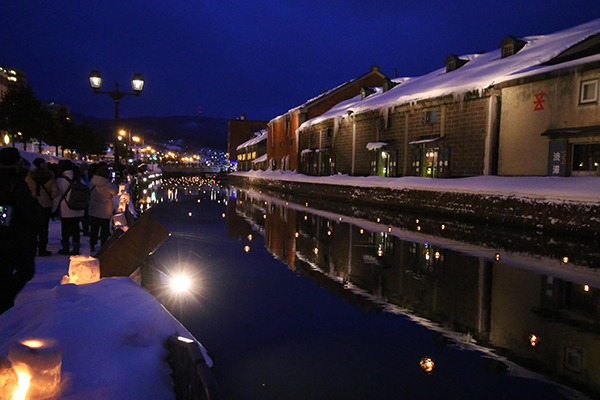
x: 461, y: 124
x: 505, y: 211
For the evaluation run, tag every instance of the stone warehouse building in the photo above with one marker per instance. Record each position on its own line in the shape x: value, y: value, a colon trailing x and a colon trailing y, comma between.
x: 283, y: 142
x: 252, y: 154
x: 482, y: 114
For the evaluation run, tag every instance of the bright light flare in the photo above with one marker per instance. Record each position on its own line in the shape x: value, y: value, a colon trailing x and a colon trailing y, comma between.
x: 181, y: 283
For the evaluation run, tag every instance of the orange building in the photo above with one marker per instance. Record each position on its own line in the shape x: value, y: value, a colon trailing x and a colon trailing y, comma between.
x: 282, y: 146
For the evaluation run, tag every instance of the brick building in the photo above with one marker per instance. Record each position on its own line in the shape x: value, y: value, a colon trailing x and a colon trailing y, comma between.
x: 239, y: 131
x: 458, y: 120
x: 283, y: 142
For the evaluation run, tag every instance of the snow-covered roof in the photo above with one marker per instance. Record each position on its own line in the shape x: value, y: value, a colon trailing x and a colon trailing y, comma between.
x: 481, y: 72
x: 262, y: 135
x: 328, y: 92
x: 260, y: 159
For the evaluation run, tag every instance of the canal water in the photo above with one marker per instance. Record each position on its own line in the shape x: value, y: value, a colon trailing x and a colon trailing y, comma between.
x: 296, y: 299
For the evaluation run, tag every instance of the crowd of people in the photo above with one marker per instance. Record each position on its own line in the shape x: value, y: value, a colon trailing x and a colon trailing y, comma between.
x: 32, y: 195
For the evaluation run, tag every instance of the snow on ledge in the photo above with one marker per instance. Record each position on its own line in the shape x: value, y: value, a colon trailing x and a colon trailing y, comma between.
x: 375, y: 145
x: 583, y: 189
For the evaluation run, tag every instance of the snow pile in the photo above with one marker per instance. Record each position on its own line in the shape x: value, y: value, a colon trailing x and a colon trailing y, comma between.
x: 29, y: 156
x: 111, y: 332
x: 479, y: 73
x: 585, y: 189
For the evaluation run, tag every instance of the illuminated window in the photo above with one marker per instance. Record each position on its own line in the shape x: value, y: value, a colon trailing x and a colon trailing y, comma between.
x: 589, y: 92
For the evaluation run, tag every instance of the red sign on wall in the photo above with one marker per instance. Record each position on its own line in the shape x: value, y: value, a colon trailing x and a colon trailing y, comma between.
x: 539, y: 101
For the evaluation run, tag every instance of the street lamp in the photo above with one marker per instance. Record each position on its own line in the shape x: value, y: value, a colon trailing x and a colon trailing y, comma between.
x: 137, y: 84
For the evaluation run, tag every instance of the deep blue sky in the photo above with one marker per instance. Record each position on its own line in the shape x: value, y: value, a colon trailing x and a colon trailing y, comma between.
x: 256, y: 57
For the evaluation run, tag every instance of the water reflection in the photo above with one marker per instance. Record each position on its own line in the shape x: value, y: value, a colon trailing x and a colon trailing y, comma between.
x: 528, y: 302
x: 531, y: 298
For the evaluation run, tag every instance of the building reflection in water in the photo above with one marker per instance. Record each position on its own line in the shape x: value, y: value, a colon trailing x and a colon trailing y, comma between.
x: 539, y: 321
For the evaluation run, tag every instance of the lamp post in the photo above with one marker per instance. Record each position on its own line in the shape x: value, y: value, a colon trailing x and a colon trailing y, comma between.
x: 137, y: 84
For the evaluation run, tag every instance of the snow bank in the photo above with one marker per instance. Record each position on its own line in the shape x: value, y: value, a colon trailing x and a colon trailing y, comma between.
x: 111, y: 332
x: 29, y: 156
x: 584, y: 189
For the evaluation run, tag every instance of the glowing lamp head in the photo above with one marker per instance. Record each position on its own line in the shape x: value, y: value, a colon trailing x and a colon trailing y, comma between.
x: 565, y: 260
x: 362, y: 231
x: 497, y: 257
x: 137, y: 83
x: 180, y: 283
x: 297, y: 235
x: 95, y: 79
x: 250, y: 238
x: 427, y: 364
x: 247, y: 249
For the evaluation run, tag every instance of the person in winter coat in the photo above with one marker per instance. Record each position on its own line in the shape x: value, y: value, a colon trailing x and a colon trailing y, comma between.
x: 18, y: 221
x: 69, y: 218
x: 102, y: 191
x: 43, y: 187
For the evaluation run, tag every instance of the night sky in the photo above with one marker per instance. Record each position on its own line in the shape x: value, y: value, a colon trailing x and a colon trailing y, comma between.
x: 255, y: 57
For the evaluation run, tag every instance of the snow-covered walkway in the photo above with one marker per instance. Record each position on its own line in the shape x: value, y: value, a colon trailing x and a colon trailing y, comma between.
x: 111, y: 332
x: 585, y: 189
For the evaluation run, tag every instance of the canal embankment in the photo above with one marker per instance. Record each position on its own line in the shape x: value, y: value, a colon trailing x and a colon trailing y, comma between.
x: 550, y: 204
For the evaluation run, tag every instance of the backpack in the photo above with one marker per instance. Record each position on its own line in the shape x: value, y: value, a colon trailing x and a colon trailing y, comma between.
x: 80, y: 195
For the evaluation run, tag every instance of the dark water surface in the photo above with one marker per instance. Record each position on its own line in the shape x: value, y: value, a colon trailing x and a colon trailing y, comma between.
x: 328, y: 303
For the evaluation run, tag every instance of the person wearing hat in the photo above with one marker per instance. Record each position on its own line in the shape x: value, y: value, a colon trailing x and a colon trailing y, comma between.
x: 18, y: 222
x: 43, y: 187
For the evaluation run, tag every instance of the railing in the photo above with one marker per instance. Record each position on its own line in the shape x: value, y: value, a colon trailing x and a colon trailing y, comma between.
x: 192, y: 377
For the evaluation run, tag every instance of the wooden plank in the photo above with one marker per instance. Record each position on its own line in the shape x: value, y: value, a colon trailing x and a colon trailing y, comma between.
x: 122, y: 256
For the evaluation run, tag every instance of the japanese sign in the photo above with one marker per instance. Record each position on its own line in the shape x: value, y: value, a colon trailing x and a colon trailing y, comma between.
x: 557, y: 157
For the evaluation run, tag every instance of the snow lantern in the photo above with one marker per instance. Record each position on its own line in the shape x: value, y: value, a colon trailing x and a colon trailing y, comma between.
x: 37, y: 363
x: 119, y: 221
x: 82, y: 270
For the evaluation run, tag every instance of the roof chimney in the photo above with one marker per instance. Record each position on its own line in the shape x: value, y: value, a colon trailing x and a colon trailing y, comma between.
x: 375, y: 68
